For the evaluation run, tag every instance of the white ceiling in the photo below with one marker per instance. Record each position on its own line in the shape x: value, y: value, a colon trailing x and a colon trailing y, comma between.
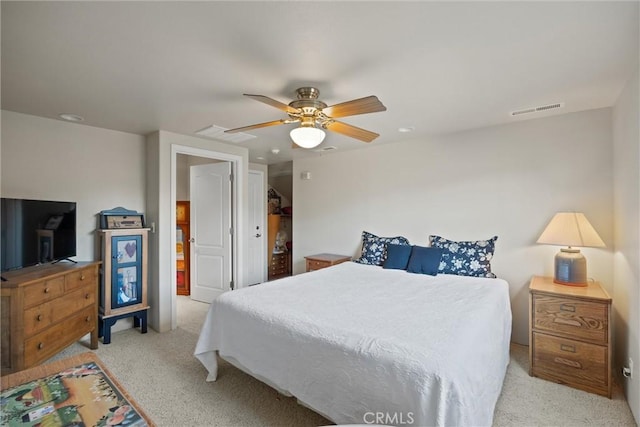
x: 439, y: 67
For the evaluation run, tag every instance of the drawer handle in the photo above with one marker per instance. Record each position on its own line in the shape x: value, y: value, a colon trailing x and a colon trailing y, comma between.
x: 87, y: 295
x: 40, y: 346
x: 570, y: 363
x: 567, y: 347
x: 88, y: 318
x: 568, y: 307
x: 570, y: 322
x: 82, y: 277
x: 46, y: 290
x: 39, y: 317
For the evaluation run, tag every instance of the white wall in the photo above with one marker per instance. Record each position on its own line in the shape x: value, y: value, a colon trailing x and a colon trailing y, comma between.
x: 504, y: 180
x: 626, y: 140
x: 55, y: 160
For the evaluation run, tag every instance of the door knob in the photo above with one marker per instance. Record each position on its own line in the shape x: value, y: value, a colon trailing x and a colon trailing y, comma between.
x: 192, y: 240
x: 258, y: 235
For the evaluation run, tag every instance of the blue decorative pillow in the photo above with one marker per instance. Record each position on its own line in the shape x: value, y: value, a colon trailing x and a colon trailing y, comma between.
x: 465, y: 258
x: 424, y: 260
x: 397, y: 257
x: 374, y: 248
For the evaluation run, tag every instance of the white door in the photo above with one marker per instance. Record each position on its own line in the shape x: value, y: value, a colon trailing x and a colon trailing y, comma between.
x: 257, y: 234
x: 211, y: 242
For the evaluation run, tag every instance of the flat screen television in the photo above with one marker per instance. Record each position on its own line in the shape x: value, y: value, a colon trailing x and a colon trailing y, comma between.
x: 36, y: 232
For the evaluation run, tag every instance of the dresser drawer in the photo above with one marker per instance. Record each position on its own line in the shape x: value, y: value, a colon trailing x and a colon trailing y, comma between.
x: 43, y: 291
x: 313, y: 264
x: 47, y: 343
x: 581, y: 319
x: 570, y: 362
x: 43, y: 315
x: 80, y: 278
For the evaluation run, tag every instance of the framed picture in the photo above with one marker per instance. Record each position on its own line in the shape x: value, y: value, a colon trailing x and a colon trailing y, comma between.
x: 127, y: 251
x: 127, y: 291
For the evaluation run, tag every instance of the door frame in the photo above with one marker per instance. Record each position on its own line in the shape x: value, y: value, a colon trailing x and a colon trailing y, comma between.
x: 263, y: 174
x: 237, y: 207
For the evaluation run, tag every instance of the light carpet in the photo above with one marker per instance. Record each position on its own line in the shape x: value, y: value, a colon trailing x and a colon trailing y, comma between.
x: 161, y: 373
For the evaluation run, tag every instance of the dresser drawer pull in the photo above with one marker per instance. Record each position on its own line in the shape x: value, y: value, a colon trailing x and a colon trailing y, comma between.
x: 571, y: 363
x: 39, y: 317
x: 40, y: 346
x: 87, y: 319
x: 87, y: 295
x: 569, y: 348
x: 82, y: 277
x: 568, y: 307
x: 46, y: 290
x: 570, y: 322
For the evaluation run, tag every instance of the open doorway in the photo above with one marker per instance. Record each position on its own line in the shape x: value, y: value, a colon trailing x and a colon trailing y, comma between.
x: 182, y: 158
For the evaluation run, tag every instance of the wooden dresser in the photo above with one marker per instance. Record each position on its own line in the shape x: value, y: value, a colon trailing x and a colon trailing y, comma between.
x: 570, y: 335
x: 45, y: 309
x: 318, y: 261
x: 280, y: 266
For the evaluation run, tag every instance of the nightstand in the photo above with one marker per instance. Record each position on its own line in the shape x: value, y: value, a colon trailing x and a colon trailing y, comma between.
x: 570, y: 335
x: 318, y: 261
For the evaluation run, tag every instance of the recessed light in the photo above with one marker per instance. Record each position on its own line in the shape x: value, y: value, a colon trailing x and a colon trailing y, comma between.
x: 275, y: 150
x: 406, y: 129
x: 71, y: 117
x: 259, y: 158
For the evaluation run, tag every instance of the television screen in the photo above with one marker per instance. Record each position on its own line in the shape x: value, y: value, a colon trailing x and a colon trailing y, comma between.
x: 36, y: 232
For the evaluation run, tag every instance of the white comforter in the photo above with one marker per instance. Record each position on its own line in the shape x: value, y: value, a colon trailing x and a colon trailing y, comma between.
x: 361, y: 344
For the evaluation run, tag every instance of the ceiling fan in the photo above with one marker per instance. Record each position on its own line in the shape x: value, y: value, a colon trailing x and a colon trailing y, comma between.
x: 314, y: 116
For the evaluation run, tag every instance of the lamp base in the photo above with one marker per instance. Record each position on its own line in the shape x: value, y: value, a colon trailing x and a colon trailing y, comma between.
x: 570, y: 268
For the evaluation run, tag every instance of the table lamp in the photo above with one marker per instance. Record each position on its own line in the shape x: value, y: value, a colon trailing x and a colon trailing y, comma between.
x: 570, y: 229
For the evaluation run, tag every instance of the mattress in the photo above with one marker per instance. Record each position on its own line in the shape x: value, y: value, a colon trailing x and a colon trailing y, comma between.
x: 362, y: 344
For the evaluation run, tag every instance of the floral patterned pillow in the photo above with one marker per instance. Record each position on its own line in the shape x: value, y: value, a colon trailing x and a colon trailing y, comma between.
x: 465, y: 258
x: 374, y: 248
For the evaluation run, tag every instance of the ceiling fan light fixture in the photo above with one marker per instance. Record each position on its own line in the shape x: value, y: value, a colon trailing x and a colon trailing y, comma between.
x: 307, y: 136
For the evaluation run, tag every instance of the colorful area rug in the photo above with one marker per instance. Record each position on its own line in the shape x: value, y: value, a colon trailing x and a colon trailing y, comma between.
x: 77, y: 391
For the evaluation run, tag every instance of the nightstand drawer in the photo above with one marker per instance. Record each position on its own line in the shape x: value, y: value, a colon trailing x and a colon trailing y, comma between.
x: 581, y: 319
x: 570, y: 362
x: 317, y: 265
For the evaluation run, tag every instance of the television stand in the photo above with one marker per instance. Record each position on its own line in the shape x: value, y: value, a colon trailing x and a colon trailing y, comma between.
x: 64, y: 259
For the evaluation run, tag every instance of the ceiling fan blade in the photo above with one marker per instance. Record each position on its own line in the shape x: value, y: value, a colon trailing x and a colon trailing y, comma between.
x: 352, y: 131
x: 258, y: 125
x: 369, y: 104
x: 270, y: 101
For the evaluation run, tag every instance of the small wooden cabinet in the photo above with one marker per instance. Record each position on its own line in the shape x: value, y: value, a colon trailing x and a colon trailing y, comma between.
x: 45, y: 309
x: 182, y: 248
x: 316, y: 262
x: 123, y: 285
x: 570, y: 335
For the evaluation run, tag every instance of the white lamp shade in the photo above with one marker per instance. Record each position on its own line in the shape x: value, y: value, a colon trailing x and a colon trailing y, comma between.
x: 307, y: 136
x: 570, y: 229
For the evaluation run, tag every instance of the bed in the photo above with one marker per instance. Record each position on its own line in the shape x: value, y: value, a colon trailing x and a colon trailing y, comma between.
x: 362, y: 344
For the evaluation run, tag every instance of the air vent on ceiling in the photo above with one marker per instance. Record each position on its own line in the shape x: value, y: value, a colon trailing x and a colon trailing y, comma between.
x: 327, y: 148
x: 217, y: 132
x: 538, y: 109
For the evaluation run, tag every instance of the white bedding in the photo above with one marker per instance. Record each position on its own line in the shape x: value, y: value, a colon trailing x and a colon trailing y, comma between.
x: 354, y: 341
